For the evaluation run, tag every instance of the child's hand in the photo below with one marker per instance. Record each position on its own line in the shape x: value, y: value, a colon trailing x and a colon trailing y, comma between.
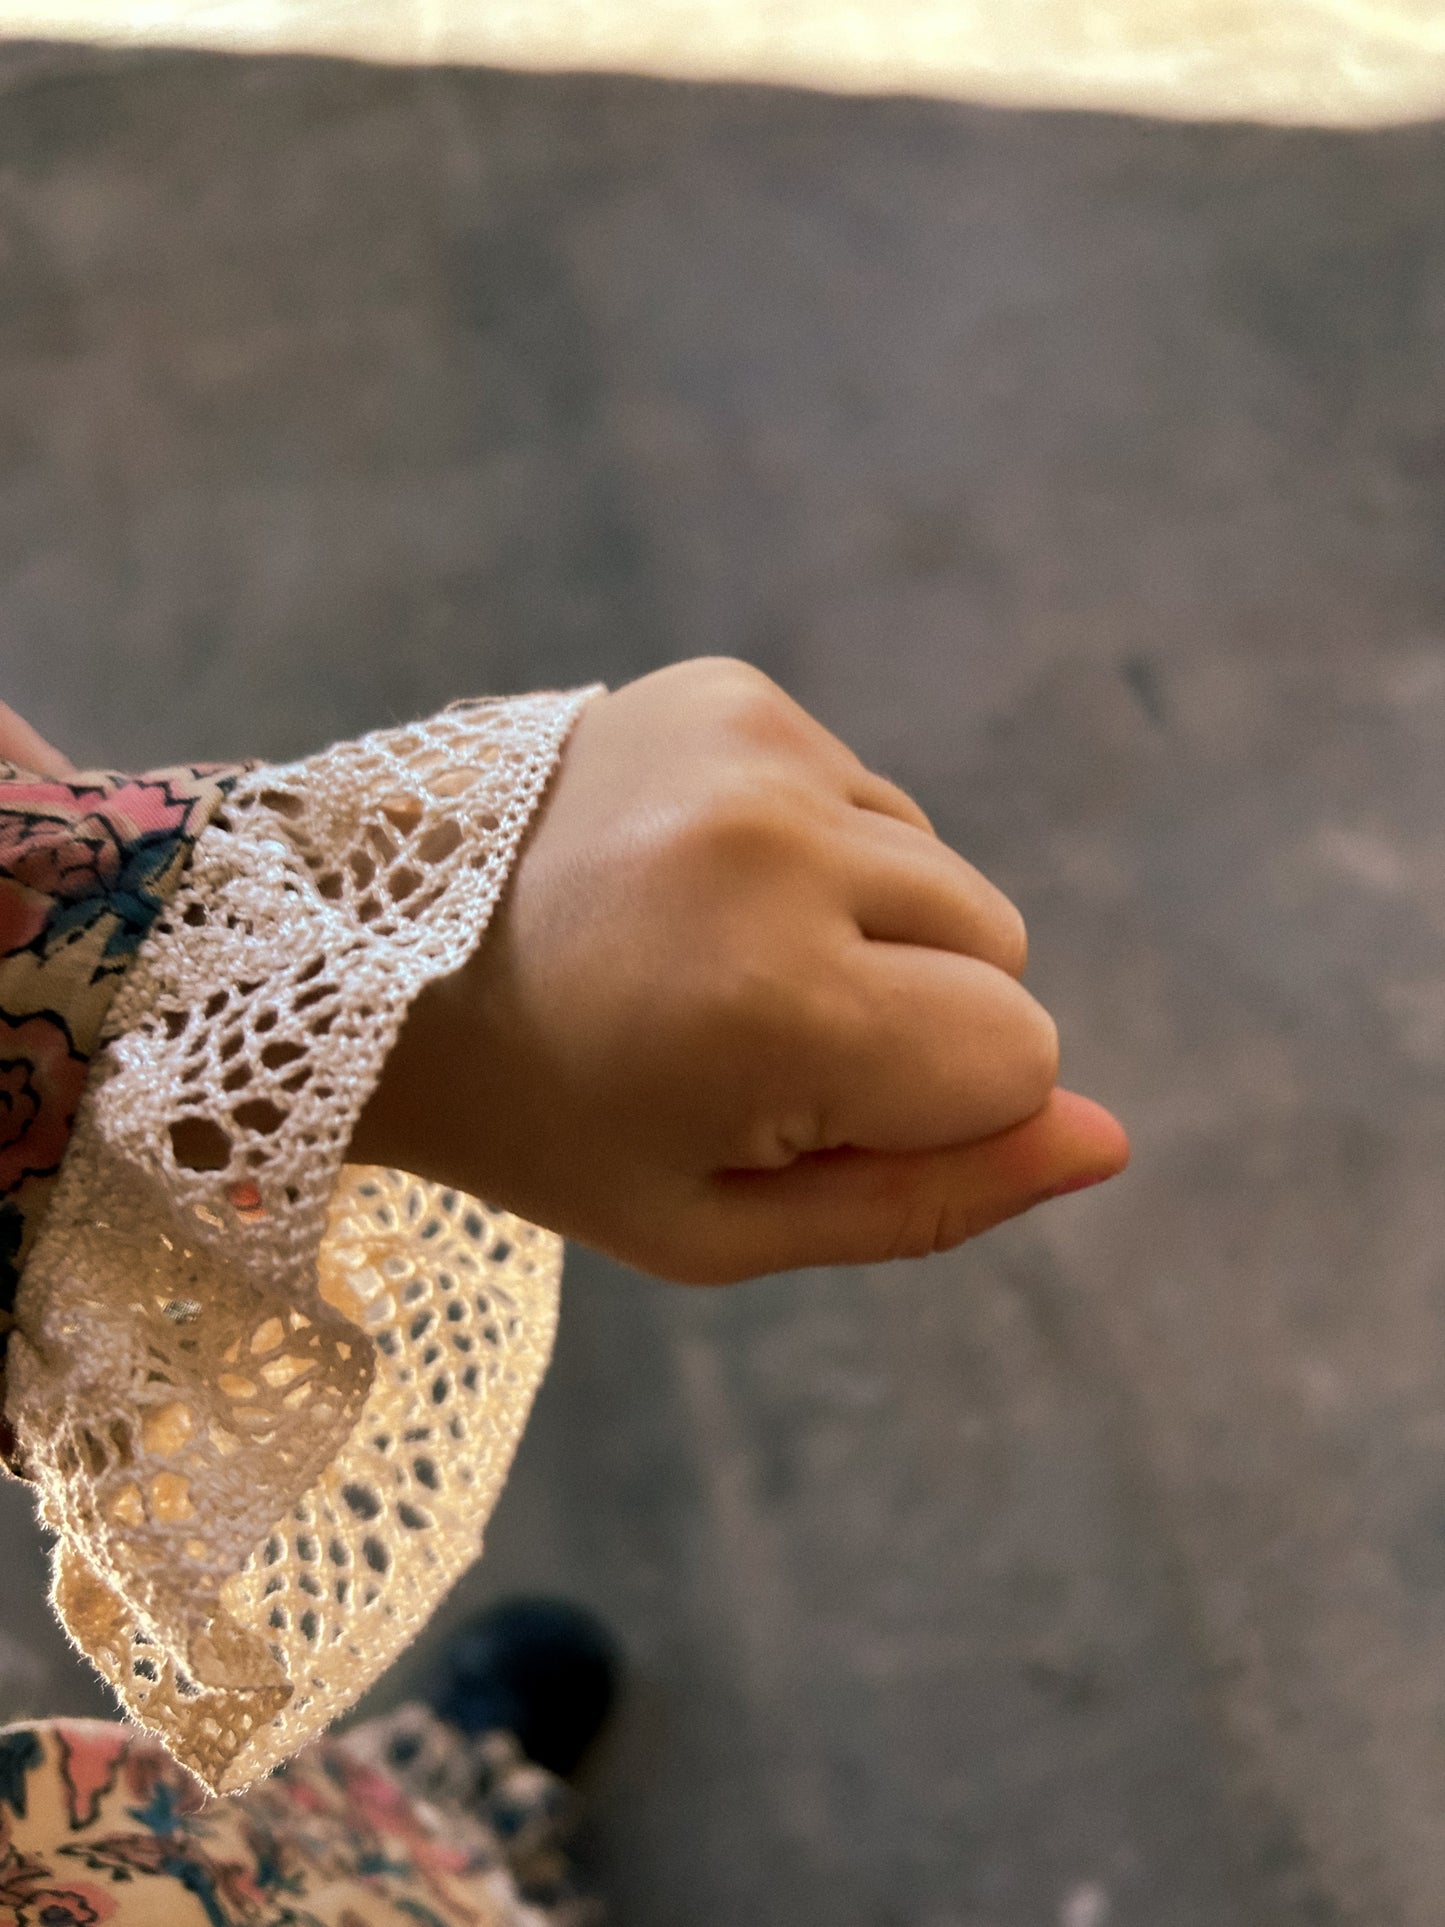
x: 739, y: 1009
x: 22, y: 745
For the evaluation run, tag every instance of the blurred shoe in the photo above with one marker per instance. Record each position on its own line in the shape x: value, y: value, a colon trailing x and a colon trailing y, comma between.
x: 543, y: 1669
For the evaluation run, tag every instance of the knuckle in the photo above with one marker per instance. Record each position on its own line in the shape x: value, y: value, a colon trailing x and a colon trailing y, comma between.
x: 1014, y: 942
x: 747, y: 824
x: 1039, y: 1056
x: 1026, y: 1068
x: 763, y: 712
x: 729, y: 668
x: 758, y: 713
x: 905, y: 806
x: 735, y: 685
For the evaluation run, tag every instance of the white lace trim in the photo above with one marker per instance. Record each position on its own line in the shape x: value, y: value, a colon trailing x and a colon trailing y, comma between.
x: 269, y: 1399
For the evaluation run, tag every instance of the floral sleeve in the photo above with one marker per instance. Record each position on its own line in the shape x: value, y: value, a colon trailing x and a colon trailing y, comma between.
x: 86, y: 866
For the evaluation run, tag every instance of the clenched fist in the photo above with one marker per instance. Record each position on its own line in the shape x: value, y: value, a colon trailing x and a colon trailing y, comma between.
x: 739, y: 1009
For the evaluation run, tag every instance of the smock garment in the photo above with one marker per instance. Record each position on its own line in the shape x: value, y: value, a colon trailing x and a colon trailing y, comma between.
x: 269, y: 1399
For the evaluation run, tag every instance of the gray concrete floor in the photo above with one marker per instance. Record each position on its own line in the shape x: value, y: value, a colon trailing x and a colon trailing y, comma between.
x: 1088, y: 477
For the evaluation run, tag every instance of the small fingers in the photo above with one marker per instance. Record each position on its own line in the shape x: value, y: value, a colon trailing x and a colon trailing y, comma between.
x: 870, y: 791
x: 849, y: 1207
x: 919, y: 1048
x: 909, y: 888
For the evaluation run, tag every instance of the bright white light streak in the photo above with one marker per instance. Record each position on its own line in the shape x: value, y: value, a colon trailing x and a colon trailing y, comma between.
x: 1323, y: 61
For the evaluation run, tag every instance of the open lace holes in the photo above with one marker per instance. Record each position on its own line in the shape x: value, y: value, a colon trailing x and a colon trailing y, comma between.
x: 280, y: 1372
x: 166, y: 1429
x: 170, y: 1498
x: 127, y: 1508
x: 267, y: 1335
x: 199, y: 1144
x: 331, y: 886
x: 455, y: 782
x: 402, y: 812
x: 284, y: 803
x: 383, y: 845
x: 364, y: 1500
x: 259, y: 1114
x: 283, y: 1052
x: 439, y: 842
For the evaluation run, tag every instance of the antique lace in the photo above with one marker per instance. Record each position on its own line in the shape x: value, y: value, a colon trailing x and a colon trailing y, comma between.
x: 270, y: 1398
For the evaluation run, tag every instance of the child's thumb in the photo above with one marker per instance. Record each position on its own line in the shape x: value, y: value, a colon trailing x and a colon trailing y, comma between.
x: 851, y: 1207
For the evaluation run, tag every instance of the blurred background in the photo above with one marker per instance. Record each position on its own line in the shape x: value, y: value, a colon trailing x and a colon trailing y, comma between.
x: 1086, y: 474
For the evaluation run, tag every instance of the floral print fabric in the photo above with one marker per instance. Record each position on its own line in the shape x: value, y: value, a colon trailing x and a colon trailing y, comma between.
x: 100, y: 1828
x: 87, y: 864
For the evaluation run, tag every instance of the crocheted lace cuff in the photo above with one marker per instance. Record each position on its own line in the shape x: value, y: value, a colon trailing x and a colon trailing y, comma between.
x: 270, y: 1399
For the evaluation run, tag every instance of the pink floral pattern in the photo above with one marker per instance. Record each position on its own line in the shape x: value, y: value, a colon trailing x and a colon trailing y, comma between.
x: 86, y: 867
x: 73, y: 853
